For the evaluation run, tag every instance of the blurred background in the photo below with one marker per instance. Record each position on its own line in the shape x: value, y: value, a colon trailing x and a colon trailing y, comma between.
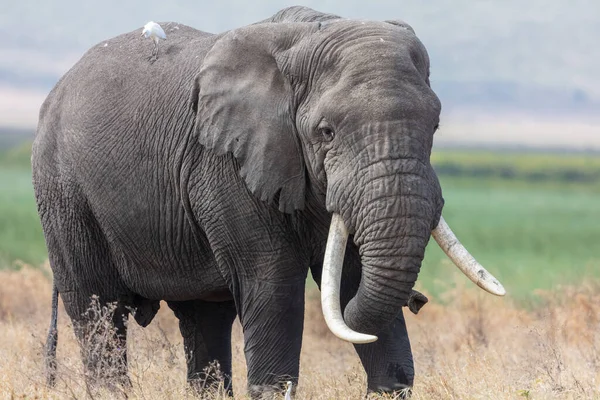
x: 517, y: 151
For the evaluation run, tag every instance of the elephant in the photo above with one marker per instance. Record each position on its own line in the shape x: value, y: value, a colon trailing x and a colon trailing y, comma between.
x: 218, y: 175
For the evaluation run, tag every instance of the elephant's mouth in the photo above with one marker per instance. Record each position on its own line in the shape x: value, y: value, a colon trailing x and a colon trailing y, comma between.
x: 332, y: 274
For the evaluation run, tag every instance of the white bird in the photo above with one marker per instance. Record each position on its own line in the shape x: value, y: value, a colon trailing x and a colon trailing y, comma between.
x: 155, y: 32
x: 288, y: 392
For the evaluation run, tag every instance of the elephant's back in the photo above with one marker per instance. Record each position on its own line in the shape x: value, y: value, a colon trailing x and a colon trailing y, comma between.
x: 133, y: 49
x: 119, y: 67
x: 114, y: 83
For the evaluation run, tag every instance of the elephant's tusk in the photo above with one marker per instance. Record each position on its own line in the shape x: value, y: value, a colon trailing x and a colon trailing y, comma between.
x: 330, y: 284
x: 448, y: 241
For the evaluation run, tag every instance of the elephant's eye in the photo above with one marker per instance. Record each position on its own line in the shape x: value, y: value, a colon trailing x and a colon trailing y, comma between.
x: 327, y: 134
x: 326, y: 131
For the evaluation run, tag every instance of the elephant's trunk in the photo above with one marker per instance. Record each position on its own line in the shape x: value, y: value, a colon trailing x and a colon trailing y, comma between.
x: 391, y: 249
x: 332, y: 272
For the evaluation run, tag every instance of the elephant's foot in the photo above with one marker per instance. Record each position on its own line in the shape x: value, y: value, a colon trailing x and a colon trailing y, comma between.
x: 103, y: 374
x: 398, y: 391
x: 117, y: 385
x: 394, y: 382
x: 211, y: 385
x: 107, y: 370
x: 265, y: 392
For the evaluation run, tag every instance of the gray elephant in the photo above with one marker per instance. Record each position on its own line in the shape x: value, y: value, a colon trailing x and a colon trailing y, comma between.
x: 217, y: 176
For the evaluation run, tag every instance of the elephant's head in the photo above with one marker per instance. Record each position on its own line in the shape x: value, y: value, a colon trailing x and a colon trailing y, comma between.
x: 343, y: 110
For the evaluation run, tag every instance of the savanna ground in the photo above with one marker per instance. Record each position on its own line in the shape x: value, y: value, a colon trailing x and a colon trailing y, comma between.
x: 531, y: 219
x: 471, y: 347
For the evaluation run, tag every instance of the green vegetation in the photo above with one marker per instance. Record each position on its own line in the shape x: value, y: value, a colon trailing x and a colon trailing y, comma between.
x: 529, y: 238
x: 21, y: 235
x: 533, y: 228
x: 530, y: 233
x: 524, y: 167
x: 522, y: 161
x: 17, y: 157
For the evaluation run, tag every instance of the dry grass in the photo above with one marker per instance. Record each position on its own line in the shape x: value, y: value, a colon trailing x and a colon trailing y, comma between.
x: 472, y: 347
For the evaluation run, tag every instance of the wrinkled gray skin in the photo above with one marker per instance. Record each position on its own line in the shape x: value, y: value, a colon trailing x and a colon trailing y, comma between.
x: 208, y: 179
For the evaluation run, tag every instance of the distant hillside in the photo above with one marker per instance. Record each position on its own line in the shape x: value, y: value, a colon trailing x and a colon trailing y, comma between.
x: 539, y: 56
x: 508, y: 96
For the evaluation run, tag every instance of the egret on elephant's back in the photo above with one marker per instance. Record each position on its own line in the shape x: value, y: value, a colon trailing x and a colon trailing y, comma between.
x: 155, y: 32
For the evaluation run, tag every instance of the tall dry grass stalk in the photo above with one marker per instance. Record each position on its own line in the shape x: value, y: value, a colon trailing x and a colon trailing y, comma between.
x: 473, y: 346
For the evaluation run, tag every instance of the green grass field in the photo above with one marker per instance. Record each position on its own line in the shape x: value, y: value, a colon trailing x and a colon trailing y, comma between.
x: 529, y: 237
x: 20, y: 231
x: 531, y: 232
x: 21, y: 235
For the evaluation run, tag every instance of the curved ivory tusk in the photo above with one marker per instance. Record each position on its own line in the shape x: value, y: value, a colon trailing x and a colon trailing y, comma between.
x: 330, y: 284
x: 448, y: 241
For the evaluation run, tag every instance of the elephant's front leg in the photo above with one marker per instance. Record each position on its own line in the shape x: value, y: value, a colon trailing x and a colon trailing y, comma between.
x: 388, y: 362
x: 272, y: 315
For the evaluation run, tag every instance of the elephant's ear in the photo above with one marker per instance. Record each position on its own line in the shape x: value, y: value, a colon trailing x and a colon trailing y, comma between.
x: 244, y: 105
